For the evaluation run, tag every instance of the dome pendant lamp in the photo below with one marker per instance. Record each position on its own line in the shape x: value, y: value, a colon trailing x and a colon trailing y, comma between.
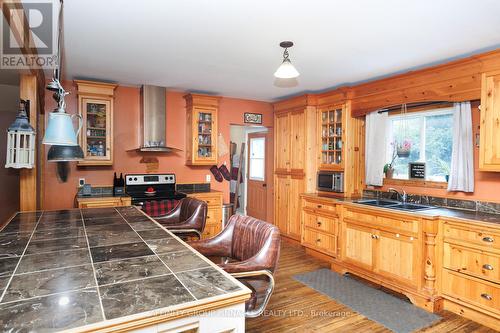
x: 286, y: 69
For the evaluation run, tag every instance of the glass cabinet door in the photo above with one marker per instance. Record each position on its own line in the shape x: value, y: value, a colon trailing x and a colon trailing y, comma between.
x: 96, y: 130
x: 205, y: 134
x: 331, y: 137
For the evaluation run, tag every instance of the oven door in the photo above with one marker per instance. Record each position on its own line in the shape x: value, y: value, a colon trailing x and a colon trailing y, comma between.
x: 325, y: 181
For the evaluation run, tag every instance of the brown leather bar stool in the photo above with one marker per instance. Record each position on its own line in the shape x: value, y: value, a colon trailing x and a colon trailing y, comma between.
x: 188, y: 218
x: 252, y: 248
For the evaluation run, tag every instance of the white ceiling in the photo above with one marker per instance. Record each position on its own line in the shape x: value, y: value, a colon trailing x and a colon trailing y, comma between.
x: 231, y: 47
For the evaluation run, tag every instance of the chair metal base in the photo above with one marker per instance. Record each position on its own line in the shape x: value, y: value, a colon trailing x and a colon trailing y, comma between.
x: 259, y: 310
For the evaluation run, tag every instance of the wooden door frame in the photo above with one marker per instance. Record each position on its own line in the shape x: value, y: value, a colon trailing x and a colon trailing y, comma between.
x: 253, y: 135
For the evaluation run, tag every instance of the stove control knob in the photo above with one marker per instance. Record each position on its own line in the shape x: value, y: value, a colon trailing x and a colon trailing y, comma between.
x: 166, y: 178
x: 130, y: 179
x: 135, y: 178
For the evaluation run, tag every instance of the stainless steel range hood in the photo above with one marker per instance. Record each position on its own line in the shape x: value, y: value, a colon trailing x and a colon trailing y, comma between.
x: 153, y: 120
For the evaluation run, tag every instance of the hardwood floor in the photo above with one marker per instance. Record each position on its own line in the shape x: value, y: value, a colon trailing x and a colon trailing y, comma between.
x: 297, y: 308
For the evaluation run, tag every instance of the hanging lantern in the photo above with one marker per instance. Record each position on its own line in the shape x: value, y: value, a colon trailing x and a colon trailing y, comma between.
x: 21, y: 141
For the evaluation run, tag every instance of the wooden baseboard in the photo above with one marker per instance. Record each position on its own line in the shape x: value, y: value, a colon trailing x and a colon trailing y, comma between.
x: 289, y: 240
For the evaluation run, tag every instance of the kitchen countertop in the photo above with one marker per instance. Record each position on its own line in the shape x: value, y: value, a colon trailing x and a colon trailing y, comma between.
x: 450, y: 213
x: 95, y: 268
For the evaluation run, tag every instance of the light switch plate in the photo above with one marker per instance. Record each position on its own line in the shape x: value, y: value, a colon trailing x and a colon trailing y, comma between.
x: 81, y: 182
x: 208, y: 178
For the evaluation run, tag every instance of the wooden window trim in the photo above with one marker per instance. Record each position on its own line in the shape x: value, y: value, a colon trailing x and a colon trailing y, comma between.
x: 416, y: 183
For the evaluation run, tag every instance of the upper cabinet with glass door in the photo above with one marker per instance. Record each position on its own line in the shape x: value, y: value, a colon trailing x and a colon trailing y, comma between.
x: 95, y: 105
x: 202, y: 129
x: 331, y: 137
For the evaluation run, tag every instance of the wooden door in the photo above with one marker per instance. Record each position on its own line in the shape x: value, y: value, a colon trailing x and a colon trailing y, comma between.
x: 282, y: 142
x: 281, y: 188
x: 297, y: 141
x: 357, y: 246
x: 489, y: 147
x: 257, y: 176
x: 296, y: 187
x: 397, y: 257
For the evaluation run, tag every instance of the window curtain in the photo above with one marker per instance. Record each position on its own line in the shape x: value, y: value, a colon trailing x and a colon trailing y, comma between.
x: 375, y: 146
x: 462, y: 154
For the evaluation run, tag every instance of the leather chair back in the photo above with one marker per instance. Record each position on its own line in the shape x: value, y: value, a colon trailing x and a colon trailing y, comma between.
x: 252, y: 237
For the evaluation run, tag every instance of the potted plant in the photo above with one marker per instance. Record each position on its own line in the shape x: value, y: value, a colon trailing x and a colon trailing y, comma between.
x: 404, y: 148
x: 389, y: 167
x: 445, y: 167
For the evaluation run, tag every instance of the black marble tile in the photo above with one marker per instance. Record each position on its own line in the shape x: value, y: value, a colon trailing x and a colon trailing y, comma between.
x: 138, y: 219
x: 49, y: 282
x: 111, y: 238
x: 41, y: 234
x: 436, y: 201
x: 19, y: 226
x: 4, y: 280
x: 129, y: 211
x: 116, y: 220
x: 62, y: 212
x: 60, y: 224
x: 59, y: 244
x: 129, y: 269
x: 461, y: 204
x: 488, y: 207
x: 99, y: 212
x: 51, y: 313
x: 183, y: 261
x: 121, y: 251
x: 370, y: 193
x: 12, y: 245
x: 7, y: 266
x: 145, y: 225
x: 100, y: 228
x: 414, y: 198
x: 165, y: 245
x: 63, y: 215
x: 206, y: 282
x: 154, y: 234
x: 127, y: 298
x: 38, y: 262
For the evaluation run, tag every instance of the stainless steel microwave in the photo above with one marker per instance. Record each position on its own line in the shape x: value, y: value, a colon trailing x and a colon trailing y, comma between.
x: 330, y: 181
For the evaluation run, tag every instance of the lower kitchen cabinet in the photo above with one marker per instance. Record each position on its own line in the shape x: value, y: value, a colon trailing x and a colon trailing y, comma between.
x: 213, y: 224
x: 287, y: 212
x: 380, y: 250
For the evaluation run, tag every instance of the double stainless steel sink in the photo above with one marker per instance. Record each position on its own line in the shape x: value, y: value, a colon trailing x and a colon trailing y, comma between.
x: 392, y: 204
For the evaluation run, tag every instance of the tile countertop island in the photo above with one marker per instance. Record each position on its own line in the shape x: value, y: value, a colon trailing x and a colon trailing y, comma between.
x: 109, y: 269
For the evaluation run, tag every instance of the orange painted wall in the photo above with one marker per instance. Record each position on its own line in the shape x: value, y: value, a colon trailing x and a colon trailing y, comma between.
x: 58, y: 195
x: 487, y: 184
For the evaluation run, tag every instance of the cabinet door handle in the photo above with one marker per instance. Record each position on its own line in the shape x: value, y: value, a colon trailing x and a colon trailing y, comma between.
x: 486, y: 297
x: 375, y: 237
x: 318, y: 240
x: 319, y: 206
x: 319, y: 223
x: 488, y: 267
x: 488, y: 239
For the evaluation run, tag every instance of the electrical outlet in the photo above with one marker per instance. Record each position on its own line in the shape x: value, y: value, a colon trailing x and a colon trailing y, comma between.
x: 81, y: 182
x: 208, y: 178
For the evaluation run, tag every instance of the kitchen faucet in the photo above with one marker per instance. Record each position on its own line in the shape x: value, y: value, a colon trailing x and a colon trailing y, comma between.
x: 403, y: 196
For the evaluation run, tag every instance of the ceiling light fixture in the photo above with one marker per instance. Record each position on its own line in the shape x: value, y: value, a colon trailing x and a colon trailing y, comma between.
x: 286, y: 69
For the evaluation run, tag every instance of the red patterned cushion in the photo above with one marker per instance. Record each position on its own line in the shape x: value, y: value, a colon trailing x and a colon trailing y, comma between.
x: 159, y: 207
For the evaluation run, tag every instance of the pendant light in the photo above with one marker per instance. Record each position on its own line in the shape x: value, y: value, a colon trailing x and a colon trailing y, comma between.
x: 60, y: 132
x: 21, y: 140
x: 286, y: 69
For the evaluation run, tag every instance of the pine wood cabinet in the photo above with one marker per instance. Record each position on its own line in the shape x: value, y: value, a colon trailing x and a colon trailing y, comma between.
x: 101, y: 202
x: 489, y: 146
x: 202, y: 129
x: 95, y: 106
x: 294, y: 168
x: 387, y: 246
x: 213, y: 223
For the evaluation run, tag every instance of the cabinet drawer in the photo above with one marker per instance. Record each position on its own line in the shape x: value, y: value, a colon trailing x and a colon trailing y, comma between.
x: 320, y: 241
x: 326, y: 224
x: 482, y: 294
x: 399, y: 224
x: 360, y: 217
x: 212, y: 199
x: 482, y: 264
x: 321, y: 207
x: 468, y: 234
